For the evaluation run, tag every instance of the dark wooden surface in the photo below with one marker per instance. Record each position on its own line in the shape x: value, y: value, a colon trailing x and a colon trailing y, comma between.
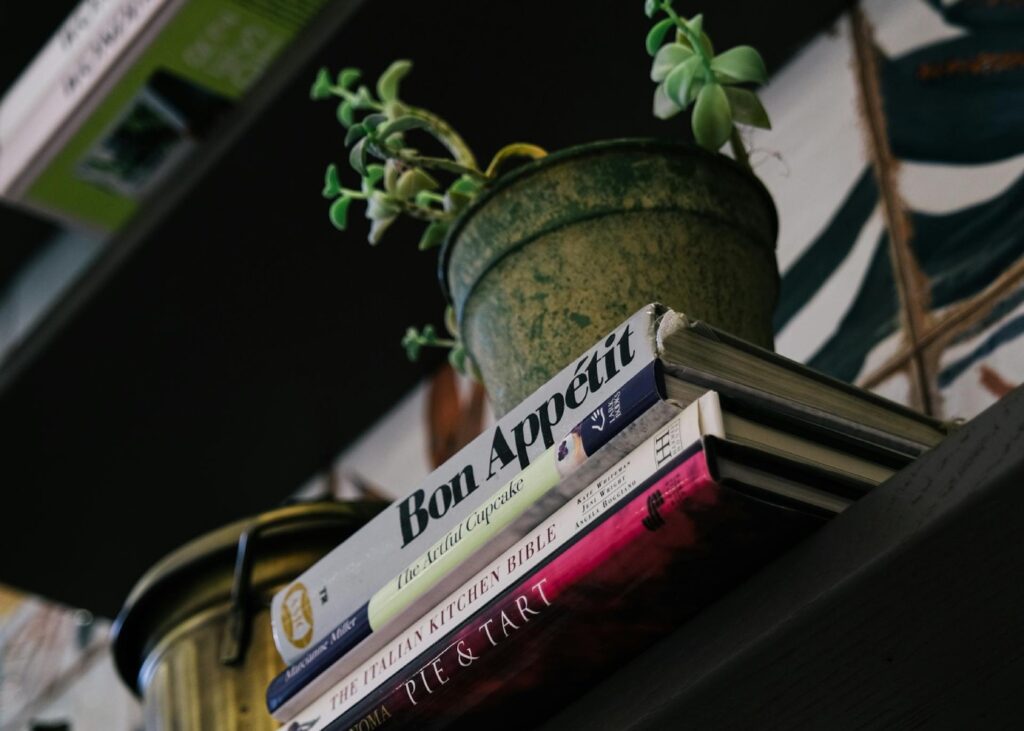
x: 906, y: 612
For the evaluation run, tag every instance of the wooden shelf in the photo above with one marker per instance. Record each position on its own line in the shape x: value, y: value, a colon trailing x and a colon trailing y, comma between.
x: 905, y: 612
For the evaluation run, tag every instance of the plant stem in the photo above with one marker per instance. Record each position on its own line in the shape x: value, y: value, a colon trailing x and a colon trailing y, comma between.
x: 422, y: 213
x: 738, y: 149
x: 447, y: 136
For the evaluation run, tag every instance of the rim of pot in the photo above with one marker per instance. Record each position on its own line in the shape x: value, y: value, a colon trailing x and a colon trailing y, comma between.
x: 535, y: 166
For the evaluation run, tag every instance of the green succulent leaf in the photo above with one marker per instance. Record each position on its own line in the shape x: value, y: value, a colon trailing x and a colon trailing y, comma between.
x: 456, y: 201
x: 664, y: 108
x: 465, y: 185
x: 358, y: 157
x: 667, y: 58
x: 339, y: 212
x: 373, y: 174
x: 364, y: 99
x: 433, y: 235
x: 414, y: 181
x: 377, y: 228
x: 391, y: 173
x: 451, y: 323
x: 682, y: 83
x: 346, y: 113
x: 332, y: 186
x: 387, y: 84
x: 380, y: 208
x: 747, y: 108
x: 374, y: 121
x: 657, y: 34
x: 412, y: 344
x: 402, y: 124
x: 712, y: 117
x: 321, y: 88
x: 696, y: 24
x: 347, y: 77
x: 742, y: 63
x: 457, y: 358
x: 355, y: 132
x: 650, y: 8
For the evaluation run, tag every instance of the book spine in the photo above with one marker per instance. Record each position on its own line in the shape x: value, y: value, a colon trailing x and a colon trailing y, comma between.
x: 624, y: 538
x: 583, y: 514
x: 473, y: 536
x: 307, y: 610
x: 109, y: 37
x: 47, y: 65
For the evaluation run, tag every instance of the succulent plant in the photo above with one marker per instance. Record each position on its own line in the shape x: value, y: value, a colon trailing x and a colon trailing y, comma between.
x: 688, y: 71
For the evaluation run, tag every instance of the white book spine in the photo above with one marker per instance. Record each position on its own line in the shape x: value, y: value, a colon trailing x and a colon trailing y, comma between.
x: 105, y: 42
x: 48, y: 64
x: 333, y: 589
x: 338, y: 693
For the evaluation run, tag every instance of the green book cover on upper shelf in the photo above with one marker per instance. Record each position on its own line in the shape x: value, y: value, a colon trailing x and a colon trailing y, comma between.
x: 177, y: 83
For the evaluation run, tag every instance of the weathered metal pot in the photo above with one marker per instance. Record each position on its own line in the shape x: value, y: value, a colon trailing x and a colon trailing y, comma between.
x: 193, y: 638
x: 562, y: 249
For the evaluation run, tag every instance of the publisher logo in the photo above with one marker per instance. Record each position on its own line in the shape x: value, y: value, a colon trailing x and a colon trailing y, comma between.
x: 297, y: 616
x: 653, y: 521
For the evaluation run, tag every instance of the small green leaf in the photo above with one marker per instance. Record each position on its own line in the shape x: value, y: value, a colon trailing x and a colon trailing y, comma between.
x: 457, y: 358
x: 696, y: 24
x: 705, y: 42
x: 657, y: 35
x: 664, y: 108
x: 332, y: 186
x: 346, y: 113
x: 465, y: 185
x: 413, y: 181
x: 429, y: 335
x: 741, y: 63
x: 347, y: 77
x: 682, y: 83
x: 433, y: 235
x: 712, y: 118
x: 374, y: 121
x: 456, y: 202
x: 379, y: 208
x: 359, y: 156
x: 364, y: 99
x: 355, y: 132
x: 373, y: 174
x: 425, y: 198
x: 391, y: 173
x: 667, y: 58
x: 411, y: 343
x: 650, y: 8
x: 321, y: 88
x: 377, y: 229
x: 747, y: 108
x: 339, y: 212
x: 402, y: 124
x: 451, y: 323
x: 387, y: 84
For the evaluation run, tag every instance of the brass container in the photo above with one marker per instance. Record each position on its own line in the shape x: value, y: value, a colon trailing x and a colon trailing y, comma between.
x: 561, y: 250
x: 193, y: 639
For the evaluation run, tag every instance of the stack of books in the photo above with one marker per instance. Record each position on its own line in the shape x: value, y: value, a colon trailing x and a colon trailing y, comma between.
x: 637, y: 486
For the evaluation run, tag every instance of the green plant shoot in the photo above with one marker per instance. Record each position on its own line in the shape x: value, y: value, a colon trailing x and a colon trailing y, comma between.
x: 687, y: 71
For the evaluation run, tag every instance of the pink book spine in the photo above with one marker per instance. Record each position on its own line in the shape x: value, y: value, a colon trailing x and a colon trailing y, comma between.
x: 633, y: 547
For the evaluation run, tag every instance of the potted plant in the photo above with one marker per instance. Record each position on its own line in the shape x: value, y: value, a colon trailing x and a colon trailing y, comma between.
x: 543, y: 254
